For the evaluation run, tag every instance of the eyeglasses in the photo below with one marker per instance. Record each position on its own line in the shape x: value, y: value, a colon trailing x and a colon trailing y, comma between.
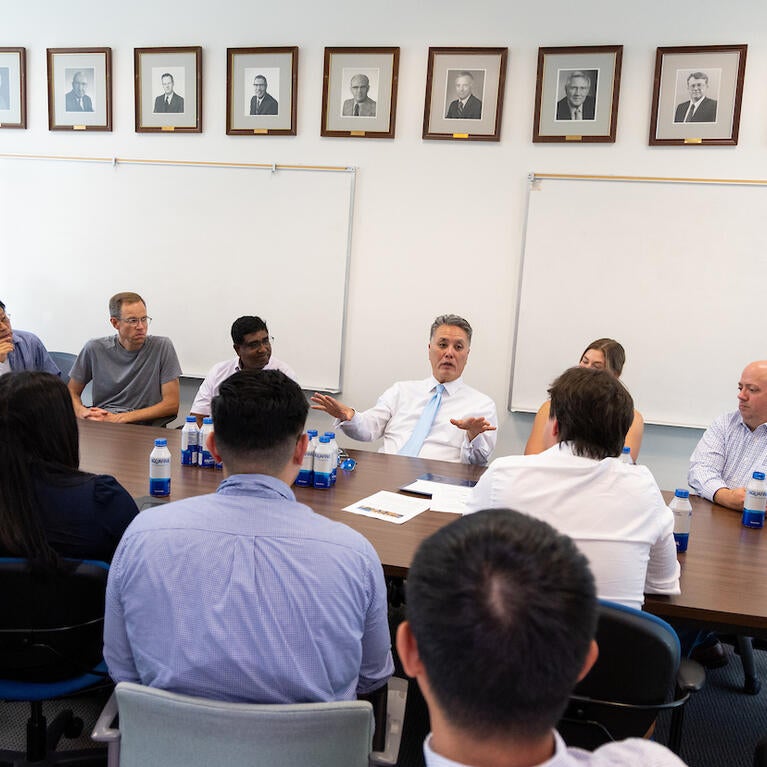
x: 256, y: 345
x: 5, y: 320
x: 133, y: 321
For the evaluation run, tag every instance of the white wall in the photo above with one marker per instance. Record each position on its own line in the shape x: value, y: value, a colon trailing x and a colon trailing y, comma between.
x: 438, y: 225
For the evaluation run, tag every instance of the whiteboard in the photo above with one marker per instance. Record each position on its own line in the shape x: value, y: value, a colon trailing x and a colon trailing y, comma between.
x: 202, y: 244
x: 674, y: 271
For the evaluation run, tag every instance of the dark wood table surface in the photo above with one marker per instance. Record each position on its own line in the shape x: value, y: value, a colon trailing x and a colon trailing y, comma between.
x: 724, y: 572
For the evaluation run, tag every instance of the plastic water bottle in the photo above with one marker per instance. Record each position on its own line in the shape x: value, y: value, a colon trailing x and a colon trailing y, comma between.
x: 305, y: 476
x: 625, y: 456
x: 680, y: 505
x: 190, y: 442
x: 323, y: 463
x: 206, y: 457
x: 159, y: 468
x: 756, y: 496
x: 334, y: 445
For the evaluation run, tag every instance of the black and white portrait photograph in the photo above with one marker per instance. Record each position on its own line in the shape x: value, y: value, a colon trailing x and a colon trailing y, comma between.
x: 80, y: 89
x: 576, y: 94
x: 261, y: 91
x: 5, y: 89
x: 168, y: 89
x: 363, y: 87
x: 359, y: 92
x: 13, y: 94
x: 697, y: 92
x: 464, y: 94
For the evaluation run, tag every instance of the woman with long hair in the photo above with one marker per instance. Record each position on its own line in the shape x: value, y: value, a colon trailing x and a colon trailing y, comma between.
x: 49, y: 508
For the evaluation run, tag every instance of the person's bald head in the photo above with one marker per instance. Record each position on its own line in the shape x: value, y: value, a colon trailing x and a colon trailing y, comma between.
x: 752, y: 394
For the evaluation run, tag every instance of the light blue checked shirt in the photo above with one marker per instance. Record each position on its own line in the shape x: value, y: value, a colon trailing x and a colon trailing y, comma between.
x: 246, y: 595
x: 727, y: 455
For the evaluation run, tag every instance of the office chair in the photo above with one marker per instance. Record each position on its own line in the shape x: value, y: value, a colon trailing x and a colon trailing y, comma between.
x: 64, y: 362
x: 161, y: 727
x: 639, y: 662
x: 760, y: 753
x: 51, y: 637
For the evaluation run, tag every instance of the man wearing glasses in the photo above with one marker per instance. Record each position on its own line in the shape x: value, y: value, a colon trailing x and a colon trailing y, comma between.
x: 20, y: 350
x: 135, y: 375
x: 253, y: 346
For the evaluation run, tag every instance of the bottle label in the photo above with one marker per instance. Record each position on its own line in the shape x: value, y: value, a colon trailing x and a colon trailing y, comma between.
x: 206, y: 460
x: 159, y: 486
x: 681, y: 540
x: 753, y: 518
x: 305, y: 478
x: 322, y: 479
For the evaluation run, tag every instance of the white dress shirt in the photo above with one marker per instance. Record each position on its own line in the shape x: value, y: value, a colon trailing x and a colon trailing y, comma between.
x: 398, y: 409
x: 633, y: 752
x: 613, y: 511
x: 727, y: 455
x: 220, y: 372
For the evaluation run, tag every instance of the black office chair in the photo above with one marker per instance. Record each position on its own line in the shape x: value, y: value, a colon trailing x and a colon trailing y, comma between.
x: 639, y: 664
x: 51, y: 639
x: 760, y: 753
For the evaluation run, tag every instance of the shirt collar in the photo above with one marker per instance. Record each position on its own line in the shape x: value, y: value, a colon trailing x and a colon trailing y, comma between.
x: 434, y: 759
x: 451, y: 387
x: 262, y: 484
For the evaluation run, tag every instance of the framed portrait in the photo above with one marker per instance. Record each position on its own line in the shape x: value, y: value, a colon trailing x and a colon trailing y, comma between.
x: 80, y: 89
x: 697, y: 94
x: 168, y: 89
x: 359, y: 92
x: 13, y: 88
x: 576, y: 94
x: 261, y: 91
x: 464, y: 94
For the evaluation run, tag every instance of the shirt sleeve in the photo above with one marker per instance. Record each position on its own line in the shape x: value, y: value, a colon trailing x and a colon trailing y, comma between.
x: 204, y: 395
x: 707, y: 462
x: 663, y: 567
x: 480, y: 496
x: 117, y: 652
x: 376, y: 665
x: 479, y: 450
x: 371, y: 424
x: 170, y: 368
x: 82, y: 370
x: 116, y: 508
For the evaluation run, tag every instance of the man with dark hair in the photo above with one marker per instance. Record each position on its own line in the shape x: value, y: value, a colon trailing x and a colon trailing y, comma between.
x: 135, y: 375
x: 439, y: 417
x: 614, y: 511
x: 262, y: 103
x: 168, y: 100
x: 253, y: 346
x: 510, y: 602
x: 700, y: 108
x: 246, y: 595
x: 20, y: 350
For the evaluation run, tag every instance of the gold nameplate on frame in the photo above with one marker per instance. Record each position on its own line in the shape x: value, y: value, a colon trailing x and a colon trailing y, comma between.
x: 357, y: 133
x: 78, y: 127
x: 573, y: 138
x: 260, y: 131
x: 460, y: 135
x: 693, y: 141
x: 170, y: 128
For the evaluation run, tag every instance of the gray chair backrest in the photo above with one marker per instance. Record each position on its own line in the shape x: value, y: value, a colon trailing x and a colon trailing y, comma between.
x: 64, y: 362
x: 163, y: 728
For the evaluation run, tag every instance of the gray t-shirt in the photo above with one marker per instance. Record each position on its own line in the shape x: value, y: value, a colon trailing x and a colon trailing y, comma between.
x: 124, y: 380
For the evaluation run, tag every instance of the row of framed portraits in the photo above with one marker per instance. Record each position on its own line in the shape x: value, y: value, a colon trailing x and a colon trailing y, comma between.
x: 696, y: 97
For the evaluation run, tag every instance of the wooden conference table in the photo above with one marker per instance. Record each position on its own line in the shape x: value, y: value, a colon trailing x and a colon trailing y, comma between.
x: 724, y: 572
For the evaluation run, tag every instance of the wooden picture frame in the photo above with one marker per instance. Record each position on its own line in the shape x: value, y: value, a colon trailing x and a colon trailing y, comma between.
x: 359, y: 92
x: 13, y: 88
x: 168, y: 89
x: 261, y: 91
x: 464, y: 94
x: 79, y: 89
x: 697, y: 94
x: 576, y: 94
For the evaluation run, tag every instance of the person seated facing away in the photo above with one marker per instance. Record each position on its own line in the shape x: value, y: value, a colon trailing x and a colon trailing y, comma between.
x: 246, y: 595
x: 734, y: 446
x: 135, y: 375
x: 253, y: 347
x: 602, y: 354
x: 612, y: 510
x: 440, y: 417
x: 48, y: 507
x: 501, y: 619
x: 20, y: 350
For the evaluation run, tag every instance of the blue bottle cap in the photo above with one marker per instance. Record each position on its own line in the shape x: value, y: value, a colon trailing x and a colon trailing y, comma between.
x: 191, y: 419
x: 758, y: 475
x: 325, y: 440
x: 207, y: 419
x: 680, y: 492
x: 161, y: 442
x: 312, y: 433
x: 626, y: 449
x: 330, y: 434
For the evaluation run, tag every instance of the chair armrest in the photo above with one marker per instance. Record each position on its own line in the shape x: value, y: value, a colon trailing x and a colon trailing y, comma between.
x: 378, y: 699
x: 691, y: 676
x: 104, y: 730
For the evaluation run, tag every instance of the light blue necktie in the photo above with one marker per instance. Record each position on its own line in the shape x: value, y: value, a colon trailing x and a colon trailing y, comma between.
x: 413, y: 446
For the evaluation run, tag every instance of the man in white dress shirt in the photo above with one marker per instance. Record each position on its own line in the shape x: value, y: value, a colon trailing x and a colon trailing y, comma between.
x: 501, y: 618
x: 612, y: 510
x: 463, y: 425
x: 735, y: 445
x: 253, y: 346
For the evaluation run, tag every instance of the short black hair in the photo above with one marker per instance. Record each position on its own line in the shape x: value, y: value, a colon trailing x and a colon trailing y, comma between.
x: 246, y: 325
x: 503, y: 610
x: 258, y: 415
x: 2, y: 306
x: 594, y: 411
